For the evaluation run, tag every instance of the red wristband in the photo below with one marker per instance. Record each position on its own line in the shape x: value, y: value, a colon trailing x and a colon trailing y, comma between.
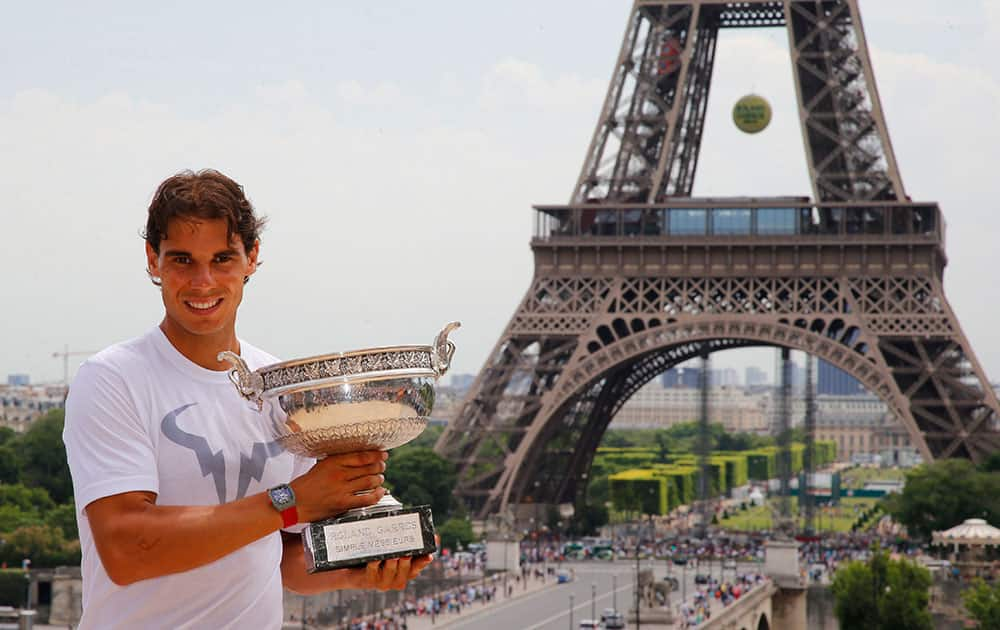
x: 290, y: 516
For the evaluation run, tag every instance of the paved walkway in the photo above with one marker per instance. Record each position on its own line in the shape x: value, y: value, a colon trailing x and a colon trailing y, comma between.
x: 475, y: 609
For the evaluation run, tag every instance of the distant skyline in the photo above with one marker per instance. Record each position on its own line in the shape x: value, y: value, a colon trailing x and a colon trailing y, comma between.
x: 397, y: 148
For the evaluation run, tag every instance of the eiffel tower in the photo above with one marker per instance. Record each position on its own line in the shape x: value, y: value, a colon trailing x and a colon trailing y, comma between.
x: 635, y: 276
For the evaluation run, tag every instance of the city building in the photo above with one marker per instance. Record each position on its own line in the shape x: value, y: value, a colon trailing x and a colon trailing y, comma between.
x: 836, y: 382
x: 461, y: 382
x: 860, y: 425
x: 18, y: 380
x: 691, y: 377
x: 681, y: 377
x: 756, y: 377
x: 658, y: 407
x: 20, y: 405
x: 863, y: 428
x: 725, y: 377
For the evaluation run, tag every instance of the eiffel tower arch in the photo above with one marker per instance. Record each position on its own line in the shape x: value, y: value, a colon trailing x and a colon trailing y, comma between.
x: 635, y: 276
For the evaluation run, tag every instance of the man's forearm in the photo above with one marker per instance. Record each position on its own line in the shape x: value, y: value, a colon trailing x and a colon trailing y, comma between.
x: 146, y: 540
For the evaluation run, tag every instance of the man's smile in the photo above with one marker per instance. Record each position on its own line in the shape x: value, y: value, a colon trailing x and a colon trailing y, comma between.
x: 203, y: 305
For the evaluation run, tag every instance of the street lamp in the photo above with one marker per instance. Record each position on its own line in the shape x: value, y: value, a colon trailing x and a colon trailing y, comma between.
x: 638, y: 623
x: 614, y: 591
x: 593, y: 600
x: 684, y: 581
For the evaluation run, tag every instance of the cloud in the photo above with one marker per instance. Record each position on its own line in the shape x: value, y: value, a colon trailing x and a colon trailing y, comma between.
x: 377, y: 236
x: 514, y: 82
x: 381, y: 233
x: 353, y: 92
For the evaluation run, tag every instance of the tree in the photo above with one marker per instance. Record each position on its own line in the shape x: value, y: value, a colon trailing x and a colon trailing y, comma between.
x: 44, y: 545
x: 10, y: 464
x: 983, y: 603
x: 455, y: 531
x: 64, y: 517
x: 419, y: 476
x: 588, y: 520
x: 7, y: 434
x: 941, y: 495
x: 664, y: 446
x: 44, y: 457
x: 991, y: 463
x: 883, y: 594
x: 26, y: 499
x: 12, y: 517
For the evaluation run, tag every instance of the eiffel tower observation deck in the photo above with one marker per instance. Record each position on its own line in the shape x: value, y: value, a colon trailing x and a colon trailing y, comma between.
x: 635, y: 276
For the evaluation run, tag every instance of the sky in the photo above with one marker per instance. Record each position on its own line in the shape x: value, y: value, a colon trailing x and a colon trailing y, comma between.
x: 397, y: 148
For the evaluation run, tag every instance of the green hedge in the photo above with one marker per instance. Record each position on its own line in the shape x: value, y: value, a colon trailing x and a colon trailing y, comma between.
x: 736, y: 469
x: 683, y: 481
x: 826, y: 452
x: 639, y: 490
x: 762, y: 464
x: 13, y: 587
x: 633, y: 471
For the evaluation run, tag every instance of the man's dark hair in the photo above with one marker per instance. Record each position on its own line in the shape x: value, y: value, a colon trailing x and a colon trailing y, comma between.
x: 207, y: 194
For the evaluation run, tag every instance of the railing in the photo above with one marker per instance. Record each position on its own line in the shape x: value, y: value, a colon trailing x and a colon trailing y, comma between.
x: 846, y: 221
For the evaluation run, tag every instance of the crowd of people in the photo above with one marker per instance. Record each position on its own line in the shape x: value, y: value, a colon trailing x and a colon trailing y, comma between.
x: 713, y: 559
x: 451, y: 601
x: 725, y: 592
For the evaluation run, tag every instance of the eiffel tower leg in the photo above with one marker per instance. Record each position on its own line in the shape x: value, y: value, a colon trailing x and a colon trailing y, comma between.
x: 505, y: 398
x: 950, y: 399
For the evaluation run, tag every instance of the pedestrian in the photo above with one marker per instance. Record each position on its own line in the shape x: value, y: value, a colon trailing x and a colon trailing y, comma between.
x: 186, y: 506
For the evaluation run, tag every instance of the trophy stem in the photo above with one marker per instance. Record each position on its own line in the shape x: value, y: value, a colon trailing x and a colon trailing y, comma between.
x: 387, y: 503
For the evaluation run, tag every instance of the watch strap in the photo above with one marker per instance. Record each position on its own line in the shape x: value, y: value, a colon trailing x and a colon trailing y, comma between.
x: 289, y: 516
x: 283, y: 500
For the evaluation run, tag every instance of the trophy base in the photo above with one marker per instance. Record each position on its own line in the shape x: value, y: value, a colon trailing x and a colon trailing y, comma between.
x: 360, y: 536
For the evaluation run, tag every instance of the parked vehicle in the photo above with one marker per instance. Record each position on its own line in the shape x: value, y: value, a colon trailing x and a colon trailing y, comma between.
x: 612, y: 619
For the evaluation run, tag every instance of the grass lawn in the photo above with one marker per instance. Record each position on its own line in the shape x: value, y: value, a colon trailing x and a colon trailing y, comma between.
x: 859, y: 476
x: 837, y: 518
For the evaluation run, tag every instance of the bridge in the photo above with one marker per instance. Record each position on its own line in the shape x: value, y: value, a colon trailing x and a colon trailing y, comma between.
x: 775, y: 600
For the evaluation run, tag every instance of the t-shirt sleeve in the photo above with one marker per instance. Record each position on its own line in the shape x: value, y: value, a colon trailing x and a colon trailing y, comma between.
x: 108, y: 447
x: 299, y: 468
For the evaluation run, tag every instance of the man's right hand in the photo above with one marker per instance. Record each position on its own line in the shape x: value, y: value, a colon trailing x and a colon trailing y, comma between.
x: 331, y: 485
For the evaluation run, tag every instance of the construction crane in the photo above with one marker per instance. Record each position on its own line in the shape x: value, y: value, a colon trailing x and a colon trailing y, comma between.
x: 66, y: 354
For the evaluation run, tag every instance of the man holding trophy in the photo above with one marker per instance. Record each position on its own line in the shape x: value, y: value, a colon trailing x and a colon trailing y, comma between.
x: 189, y: 497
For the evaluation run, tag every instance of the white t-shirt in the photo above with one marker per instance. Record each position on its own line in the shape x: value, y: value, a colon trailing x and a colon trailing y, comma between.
x: 142, y: 417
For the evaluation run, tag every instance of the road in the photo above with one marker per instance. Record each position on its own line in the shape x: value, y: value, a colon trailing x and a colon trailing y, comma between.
x: 598, y: 585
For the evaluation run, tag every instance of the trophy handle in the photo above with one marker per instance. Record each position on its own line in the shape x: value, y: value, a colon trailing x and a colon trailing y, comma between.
x: 444, y: 349
x: 249, y: 384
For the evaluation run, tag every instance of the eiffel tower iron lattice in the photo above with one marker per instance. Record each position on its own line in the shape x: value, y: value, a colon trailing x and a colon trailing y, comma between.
x: 635, y: 276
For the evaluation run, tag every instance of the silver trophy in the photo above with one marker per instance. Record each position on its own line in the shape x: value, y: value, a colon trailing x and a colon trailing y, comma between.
x: 373, y: 399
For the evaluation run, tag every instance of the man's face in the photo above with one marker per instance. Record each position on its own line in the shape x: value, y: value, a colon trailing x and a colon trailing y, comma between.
x: 202, y: 273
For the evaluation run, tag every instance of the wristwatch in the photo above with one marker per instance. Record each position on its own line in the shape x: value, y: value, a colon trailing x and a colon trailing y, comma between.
x: 283, y: 500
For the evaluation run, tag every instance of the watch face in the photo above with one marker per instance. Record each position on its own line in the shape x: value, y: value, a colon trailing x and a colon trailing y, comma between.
x: 281, y: 496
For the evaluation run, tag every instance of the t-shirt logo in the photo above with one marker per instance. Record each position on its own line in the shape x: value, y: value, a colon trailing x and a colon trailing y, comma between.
x: 213, y: 462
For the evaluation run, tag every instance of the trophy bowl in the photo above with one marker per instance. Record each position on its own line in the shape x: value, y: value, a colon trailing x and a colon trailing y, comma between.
x: 371, y: 399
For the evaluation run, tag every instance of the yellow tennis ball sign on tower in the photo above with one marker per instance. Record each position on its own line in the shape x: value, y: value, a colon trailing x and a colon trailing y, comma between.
x: 752, y: 113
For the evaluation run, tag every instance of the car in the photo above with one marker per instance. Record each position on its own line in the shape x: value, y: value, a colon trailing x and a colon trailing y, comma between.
x: 613, y: 620
x: 590, y: 624
x: 729, y: 564
x: 701, y: 578
x: 604, y: 553
x: 563, y: 576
